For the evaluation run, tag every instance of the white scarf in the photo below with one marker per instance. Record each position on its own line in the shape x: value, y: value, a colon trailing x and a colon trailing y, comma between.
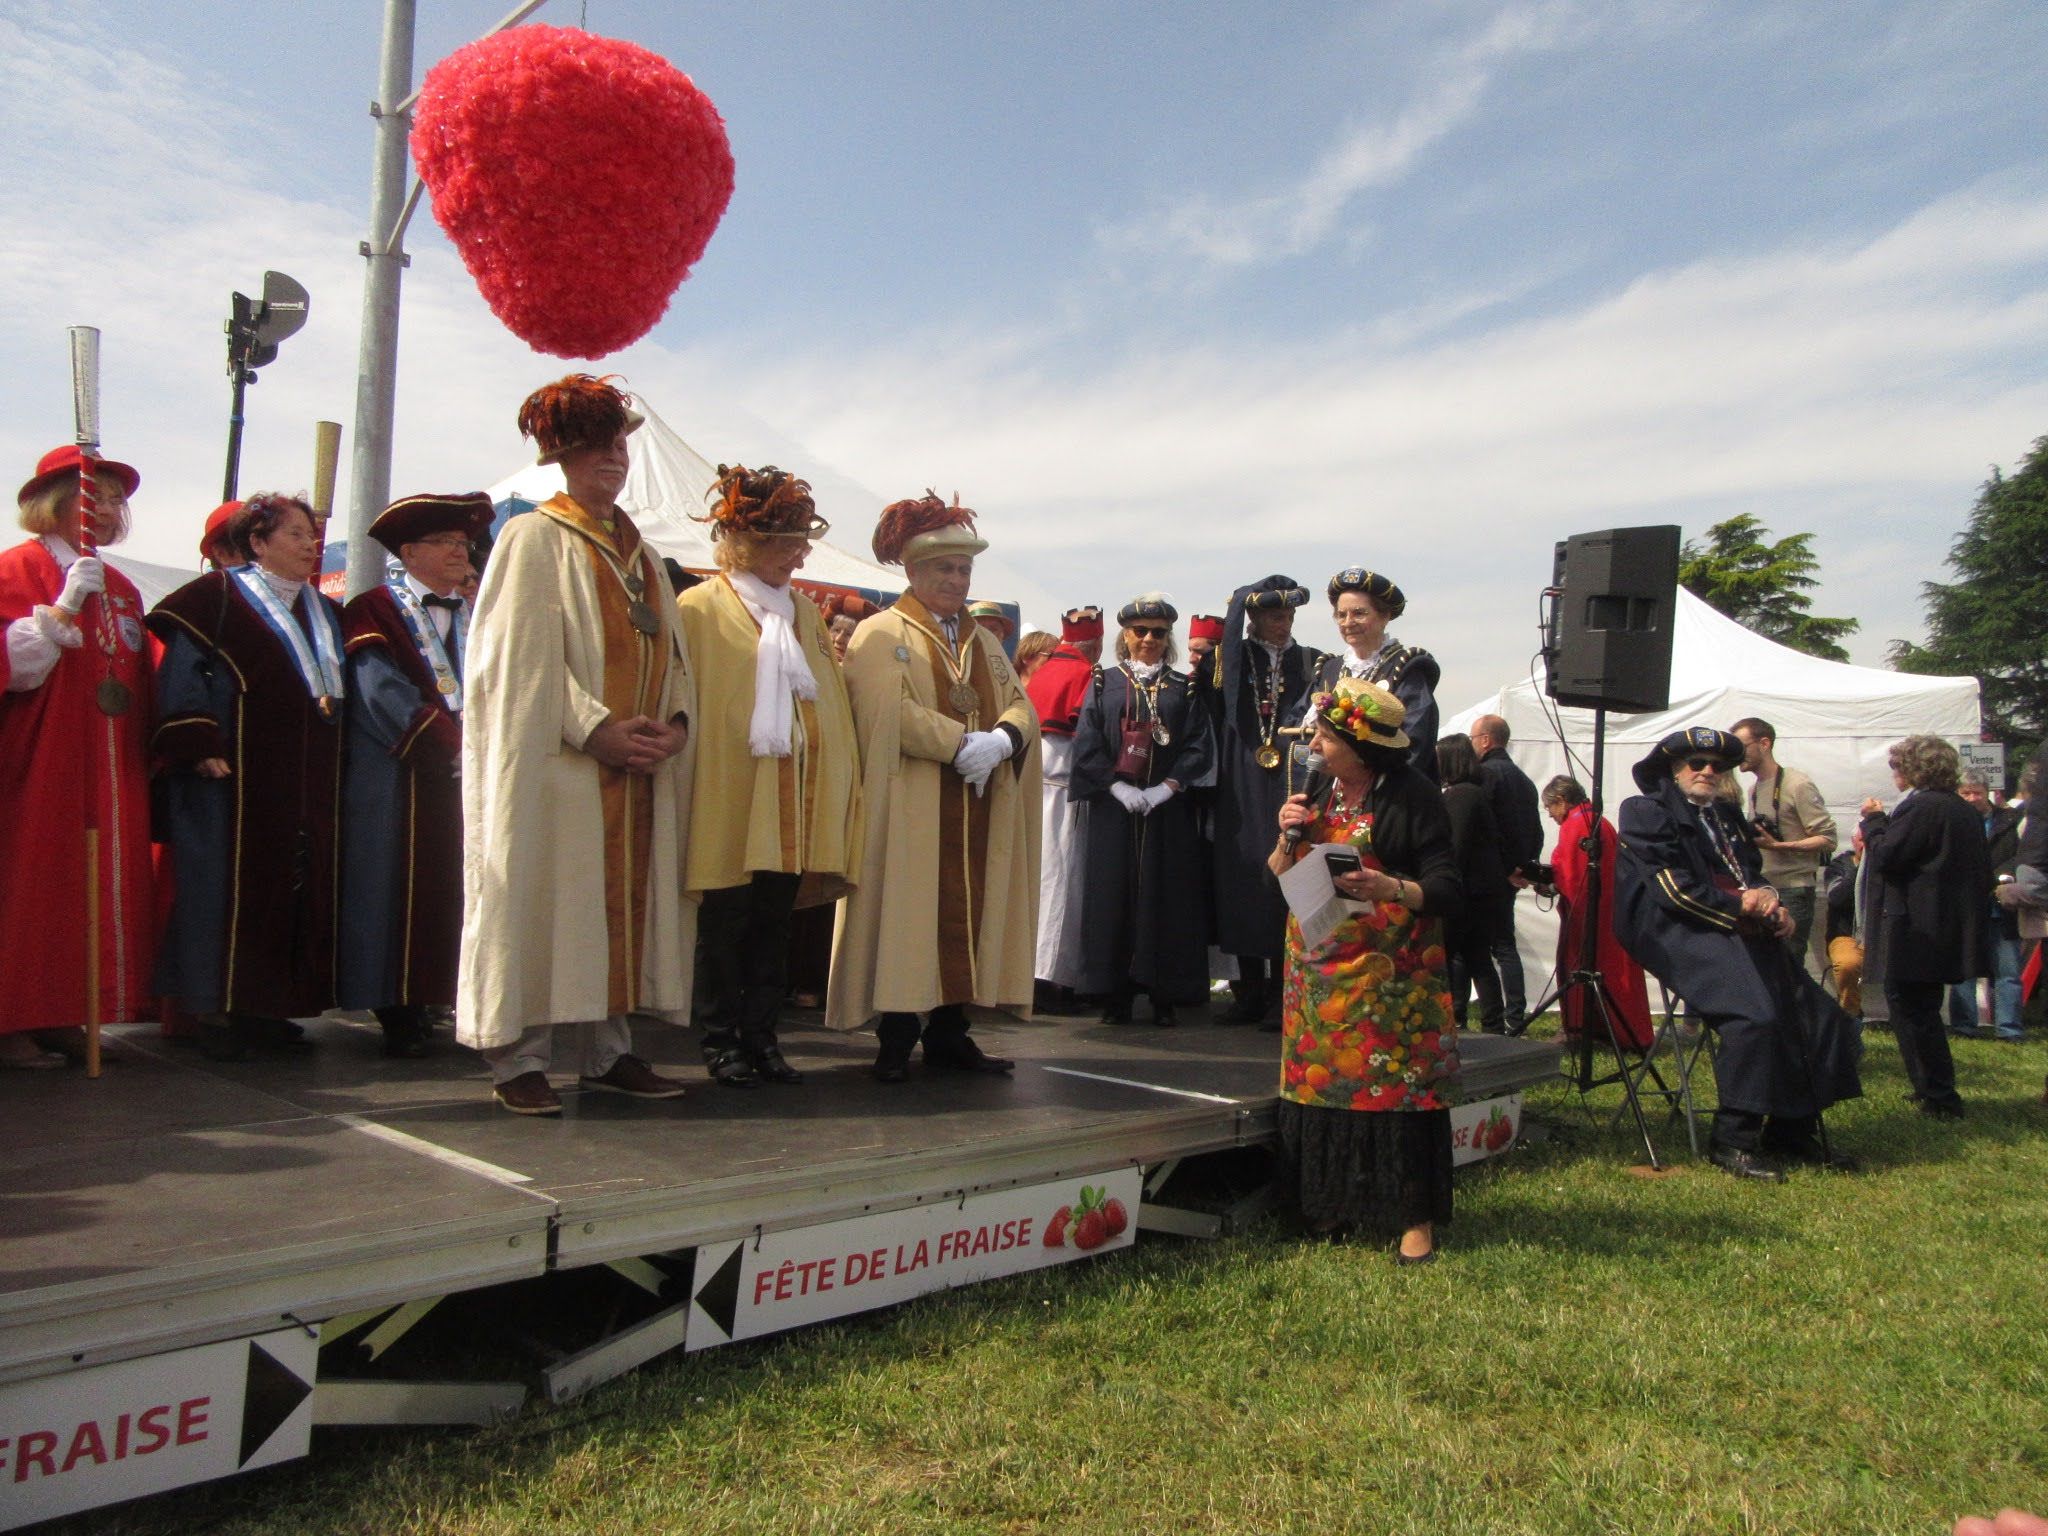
x: 782, y: 673
x: 1142, y: 672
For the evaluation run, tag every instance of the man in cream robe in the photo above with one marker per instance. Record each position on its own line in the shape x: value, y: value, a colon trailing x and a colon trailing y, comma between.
x: 574, y: 908
x: 946, y: 906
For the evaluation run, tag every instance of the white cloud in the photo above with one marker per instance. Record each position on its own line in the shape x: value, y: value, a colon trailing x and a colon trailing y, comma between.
x: 1268, y: 227
x: 1856, y: 390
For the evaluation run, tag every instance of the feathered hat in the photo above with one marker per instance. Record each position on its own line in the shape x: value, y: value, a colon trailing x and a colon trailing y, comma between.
x: 577, y: 411
x: 924, y: 526
x: 768, y: 502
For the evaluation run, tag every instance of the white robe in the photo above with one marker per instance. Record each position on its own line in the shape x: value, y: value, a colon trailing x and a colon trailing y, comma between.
x: 1062, y: 841
x: 534, y: 942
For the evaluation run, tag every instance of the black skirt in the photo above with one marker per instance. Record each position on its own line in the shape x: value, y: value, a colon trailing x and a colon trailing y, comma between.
x: 1383, y: 1171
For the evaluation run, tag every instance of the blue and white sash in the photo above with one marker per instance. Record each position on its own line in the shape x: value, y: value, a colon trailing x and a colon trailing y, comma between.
x: 319, y: 662
x: 427, y: 640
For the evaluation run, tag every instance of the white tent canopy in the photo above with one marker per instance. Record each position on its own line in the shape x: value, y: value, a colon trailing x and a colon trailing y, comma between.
x: 665, y: 490
x: 1835, y: 722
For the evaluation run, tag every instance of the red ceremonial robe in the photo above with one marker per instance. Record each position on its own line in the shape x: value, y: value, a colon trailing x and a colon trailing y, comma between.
x: 401, y: 881
x: 253, y: 923
x: 1059, y: 690
x: 1623, y: 975
x: 62, y: 763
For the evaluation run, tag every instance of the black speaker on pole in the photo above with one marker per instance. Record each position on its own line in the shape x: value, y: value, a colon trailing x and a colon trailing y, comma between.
x: 1614, y: 599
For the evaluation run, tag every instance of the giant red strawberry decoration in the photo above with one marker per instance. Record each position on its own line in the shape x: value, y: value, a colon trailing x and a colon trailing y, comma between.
x: 579, y: 176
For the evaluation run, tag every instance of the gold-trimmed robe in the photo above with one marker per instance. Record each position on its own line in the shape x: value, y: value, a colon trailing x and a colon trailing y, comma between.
x: 573, y: 900
x: 947, y: 901
x: 794, y: 815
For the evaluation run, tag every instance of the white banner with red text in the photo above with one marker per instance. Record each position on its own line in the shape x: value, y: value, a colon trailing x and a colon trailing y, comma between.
x: 756, y: 1286
x: 114, y: 1432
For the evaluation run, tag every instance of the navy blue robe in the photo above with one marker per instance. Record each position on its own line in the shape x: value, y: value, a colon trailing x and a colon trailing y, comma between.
x: 1250, y: 913
x: 1677, y: 910
x: 1410, y: 675
x: 1144, y: 880
x: 401, y: 867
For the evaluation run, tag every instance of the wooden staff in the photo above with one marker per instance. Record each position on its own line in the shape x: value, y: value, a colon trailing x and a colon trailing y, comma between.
x: 85, y: 403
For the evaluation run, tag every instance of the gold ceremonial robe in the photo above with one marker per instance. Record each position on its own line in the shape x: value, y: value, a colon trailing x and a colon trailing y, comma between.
x: 573, y: 901
x: 795, y: 815
x: 947, y: 900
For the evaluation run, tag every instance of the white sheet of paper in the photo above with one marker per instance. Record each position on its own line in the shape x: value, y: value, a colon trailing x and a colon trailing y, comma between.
x: 1313, y: 899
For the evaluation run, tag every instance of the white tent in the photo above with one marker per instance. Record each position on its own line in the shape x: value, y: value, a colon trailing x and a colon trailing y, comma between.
x: 665, y: 490
x: 153, y: 582
x: 1835, y: 722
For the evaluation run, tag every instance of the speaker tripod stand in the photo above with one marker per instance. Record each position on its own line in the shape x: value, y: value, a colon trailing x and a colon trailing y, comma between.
x: 1599, y: 1013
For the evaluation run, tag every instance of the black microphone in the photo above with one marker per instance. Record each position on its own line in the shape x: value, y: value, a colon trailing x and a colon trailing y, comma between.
x: 1317, y: 787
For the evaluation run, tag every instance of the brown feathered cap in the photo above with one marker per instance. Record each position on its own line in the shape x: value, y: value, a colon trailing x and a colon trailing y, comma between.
x: 578, y: 411
x: 769, y: 502
x: 924, y: 526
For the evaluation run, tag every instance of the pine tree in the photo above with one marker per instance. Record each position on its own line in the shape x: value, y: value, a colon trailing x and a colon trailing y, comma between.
x: 1763, y: 586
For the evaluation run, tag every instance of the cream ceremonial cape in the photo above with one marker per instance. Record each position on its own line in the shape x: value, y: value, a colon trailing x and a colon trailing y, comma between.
x: 534, y: 942
x: 799, y: 814
x: 885, y: 955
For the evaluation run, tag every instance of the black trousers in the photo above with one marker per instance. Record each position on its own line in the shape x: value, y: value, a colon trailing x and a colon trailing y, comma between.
x: 743, y: 961
x: 944, y: 1028
x: 1507, y: 960
x: 1470, y: 948
x: 1916, y: 1008
x: 1750, y: 1132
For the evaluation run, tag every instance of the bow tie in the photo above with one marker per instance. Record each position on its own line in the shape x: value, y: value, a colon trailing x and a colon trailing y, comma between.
x: 452, y: 604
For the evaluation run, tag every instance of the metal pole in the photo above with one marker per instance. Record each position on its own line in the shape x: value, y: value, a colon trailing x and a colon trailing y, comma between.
x: 234, y: 474
x: 377, y: 364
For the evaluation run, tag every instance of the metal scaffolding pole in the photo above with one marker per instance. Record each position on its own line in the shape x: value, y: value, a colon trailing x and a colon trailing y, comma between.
x: 369, y: 489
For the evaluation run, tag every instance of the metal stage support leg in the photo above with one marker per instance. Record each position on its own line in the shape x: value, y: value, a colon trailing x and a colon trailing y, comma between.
x: 573, y: 1375
x: 639, y: 1272
x: 398, y: 1325
x: 416, y: 1402
x: 1177, y: 1221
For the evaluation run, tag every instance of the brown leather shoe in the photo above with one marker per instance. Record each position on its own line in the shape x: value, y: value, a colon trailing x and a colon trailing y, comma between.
x: 634, y: 1078
x: 528, y: 1094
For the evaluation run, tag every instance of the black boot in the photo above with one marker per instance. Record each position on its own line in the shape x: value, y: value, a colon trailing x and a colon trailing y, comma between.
x: 948, y: 1047
x: 405, y: 1032
x: 760, y: 1015
x: 1248, y: 994
x: 896, y: 1034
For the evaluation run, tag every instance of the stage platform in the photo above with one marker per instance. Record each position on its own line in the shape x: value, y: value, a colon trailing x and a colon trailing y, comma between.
x: 175, y: 1202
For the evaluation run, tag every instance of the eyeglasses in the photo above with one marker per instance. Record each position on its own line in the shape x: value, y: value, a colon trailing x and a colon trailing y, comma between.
x: 1703, y: 764
x: 445, y: 540
x: 1156, y: 631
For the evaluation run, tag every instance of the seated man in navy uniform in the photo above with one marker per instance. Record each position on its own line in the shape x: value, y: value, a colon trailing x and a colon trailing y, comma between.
x: 1692, y: 906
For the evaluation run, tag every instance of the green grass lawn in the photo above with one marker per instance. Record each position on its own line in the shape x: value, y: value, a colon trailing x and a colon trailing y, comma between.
x: 1599, y: 1351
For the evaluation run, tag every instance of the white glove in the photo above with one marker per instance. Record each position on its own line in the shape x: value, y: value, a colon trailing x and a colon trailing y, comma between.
x: 85, y: 577
x: 1131, y: 798
x: 979, y: 753
x: 1157, y: 796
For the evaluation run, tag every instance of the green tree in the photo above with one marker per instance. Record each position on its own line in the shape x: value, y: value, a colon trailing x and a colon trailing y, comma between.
x: 1763, y: 586
x: 1988, y: 623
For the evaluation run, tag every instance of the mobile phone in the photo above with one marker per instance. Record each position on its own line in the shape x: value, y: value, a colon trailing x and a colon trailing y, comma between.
x: 1342, y: 861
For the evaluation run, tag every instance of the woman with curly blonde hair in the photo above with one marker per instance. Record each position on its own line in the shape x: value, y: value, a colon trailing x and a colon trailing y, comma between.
x: 775, y: 806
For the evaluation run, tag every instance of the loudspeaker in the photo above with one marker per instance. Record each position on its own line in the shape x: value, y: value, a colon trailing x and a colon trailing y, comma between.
x: 1609, y: 635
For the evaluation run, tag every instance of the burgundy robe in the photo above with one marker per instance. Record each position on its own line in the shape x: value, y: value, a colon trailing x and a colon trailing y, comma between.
x: 252, y: 926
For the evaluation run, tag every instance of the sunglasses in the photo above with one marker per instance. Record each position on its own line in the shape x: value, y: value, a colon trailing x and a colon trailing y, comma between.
x: 1702, y: 764
x: 1156, y: 631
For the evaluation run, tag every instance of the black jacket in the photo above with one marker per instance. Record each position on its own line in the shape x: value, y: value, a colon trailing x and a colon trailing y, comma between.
x: 1475, y: 841
x: 1516, y: 810
x: 1411, y: 837
x: 1930, y: 870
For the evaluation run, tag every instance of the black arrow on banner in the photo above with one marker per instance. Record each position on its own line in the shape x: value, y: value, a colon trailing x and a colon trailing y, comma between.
x: 720, y: 1295
x: 271, y: 1393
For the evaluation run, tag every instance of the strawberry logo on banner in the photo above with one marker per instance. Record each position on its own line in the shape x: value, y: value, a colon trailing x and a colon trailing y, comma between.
x: 579, y: 176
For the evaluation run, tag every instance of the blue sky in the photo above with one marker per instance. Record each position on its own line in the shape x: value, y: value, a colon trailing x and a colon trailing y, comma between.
x: 1177, y: 295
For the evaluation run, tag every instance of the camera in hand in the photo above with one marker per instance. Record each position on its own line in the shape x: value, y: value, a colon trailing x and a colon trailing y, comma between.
x: 1765, y: 826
